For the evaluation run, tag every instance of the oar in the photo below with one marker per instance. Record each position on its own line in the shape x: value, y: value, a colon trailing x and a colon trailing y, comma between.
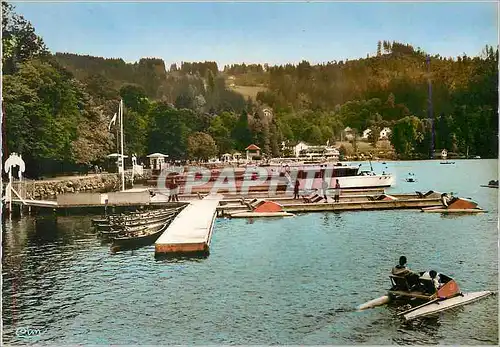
x: 417, y: 307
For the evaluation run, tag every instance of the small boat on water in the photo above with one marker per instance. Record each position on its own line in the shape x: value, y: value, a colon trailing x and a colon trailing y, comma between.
x: 138, y: 238
x: 491, y: 184
x: 411, y: 178
x: 123, y: 230
x: 136, y: 223
x: 117, y: 222
x: 424, y: 297
x: 447, y: 162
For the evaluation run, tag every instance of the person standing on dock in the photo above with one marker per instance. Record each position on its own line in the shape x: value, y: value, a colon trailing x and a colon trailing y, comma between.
x: 296, y: 189
x: 175, y: 190
x: 337, y: 191
x: 324, y: 188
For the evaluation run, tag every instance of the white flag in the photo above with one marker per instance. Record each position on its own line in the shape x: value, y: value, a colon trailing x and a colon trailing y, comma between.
x: 327, y: 142
x: 113, y: 121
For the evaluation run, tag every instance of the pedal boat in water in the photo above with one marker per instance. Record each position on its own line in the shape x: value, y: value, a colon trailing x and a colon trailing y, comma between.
x: 455, y: 205
x: 427, y: 300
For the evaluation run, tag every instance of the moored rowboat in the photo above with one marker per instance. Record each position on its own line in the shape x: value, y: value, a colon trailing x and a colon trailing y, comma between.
x: 140, y: 238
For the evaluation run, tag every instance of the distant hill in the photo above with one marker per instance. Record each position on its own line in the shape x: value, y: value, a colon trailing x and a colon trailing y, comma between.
x: 149, y: 73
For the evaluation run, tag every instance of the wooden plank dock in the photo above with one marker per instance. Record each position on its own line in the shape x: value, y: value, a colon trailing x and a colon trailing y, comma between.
x: 354, y: 203
x: 191, y: 231
x: 363, y: 206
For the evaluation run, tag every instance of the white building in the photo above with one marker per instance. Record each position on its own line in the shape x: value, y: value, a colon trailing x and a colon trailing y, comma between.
x: 384, y: 133
x: 348, y: 133
x: 300, y: 147
x: 304, y: 150
x: 366, y: 133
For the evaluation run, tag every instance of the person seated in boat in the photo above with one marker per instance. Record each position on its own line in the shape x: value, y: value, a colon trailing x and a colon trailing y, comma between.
x: 402, y: 270
x: 445, y: 199
x: 432, y: 275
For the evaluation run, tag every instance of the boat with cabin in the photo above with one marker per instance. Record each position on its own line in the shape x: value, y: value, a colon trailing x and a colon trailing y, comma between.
x: 349, y: 176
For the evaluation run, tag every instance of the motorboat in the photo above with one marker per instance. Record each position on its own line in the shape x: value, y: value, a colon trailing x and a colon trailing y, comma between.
x: 491, y: 184
x: 411, y: 178
x: 280, y: 176
x: 423, y: 296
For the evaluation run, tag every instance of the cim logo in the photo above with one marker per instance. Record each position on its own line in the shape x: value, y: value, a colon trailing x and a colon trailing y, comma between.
x: 28, y: 333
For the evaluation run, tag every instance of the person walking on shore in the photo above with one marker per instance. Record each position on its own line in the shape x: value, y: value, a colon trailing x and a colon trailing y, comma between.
x: 337, y: 191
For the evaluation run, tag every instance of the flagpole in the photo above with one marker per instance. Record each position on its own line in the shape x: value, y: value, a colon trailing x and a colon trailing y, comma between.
x: 123, y: 159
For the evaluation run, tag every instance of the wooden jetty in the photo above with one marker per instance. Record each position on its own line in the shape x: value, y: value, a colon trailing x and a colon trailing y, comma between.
x: 363, y: 206
x: 191, y: 231
x: 81, y: 203
x: 347, y: 203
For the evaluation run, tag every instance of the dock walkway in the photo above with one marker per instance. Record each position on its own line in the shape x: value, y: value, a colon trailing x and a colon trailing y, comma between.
x: 191, y: 230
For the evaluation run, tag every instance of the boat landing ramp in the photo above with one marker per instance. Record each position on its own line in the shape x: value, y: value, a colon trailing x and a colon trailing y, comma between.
x: 191, y: 230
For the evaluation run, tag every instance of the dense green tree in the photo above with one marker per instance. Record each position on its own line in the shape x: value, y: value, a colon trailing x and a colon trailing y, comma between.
x: 405, y: 135
x: 167, y: 132
x: 374, y: 134
x: 19, y: 40
x: 241, y: 132
x: 221, y: 134
x: 201, y: 146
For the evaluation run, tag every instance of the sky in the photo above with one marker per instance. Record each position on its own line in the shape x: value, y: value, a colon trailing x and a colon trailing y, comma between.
x: 271, y: 32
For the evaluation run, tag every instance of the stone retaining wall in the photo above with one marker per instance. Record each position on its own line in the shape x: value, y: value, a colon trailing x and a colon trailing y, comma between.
x: 106, y: 182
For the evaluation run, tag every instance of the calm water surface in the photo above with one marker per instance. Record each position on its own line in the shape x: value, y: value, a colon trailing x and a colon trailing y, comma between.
x: 284, y: 281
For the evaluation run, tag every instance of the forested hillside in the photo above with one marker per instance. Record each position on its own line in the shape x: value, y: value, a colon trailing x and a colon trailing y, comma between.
x: 58, y: 105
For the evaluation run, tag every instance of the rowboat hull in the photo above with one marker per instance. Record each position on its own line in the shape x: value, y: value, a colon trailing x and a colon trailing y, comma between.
x: 137, y: 224
x: 440, y: 306
x: 120, y: 243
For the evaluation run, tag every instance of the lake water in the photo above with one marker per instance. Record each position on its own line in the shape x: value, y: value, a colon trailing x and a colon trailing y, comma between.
x: 283, y: 281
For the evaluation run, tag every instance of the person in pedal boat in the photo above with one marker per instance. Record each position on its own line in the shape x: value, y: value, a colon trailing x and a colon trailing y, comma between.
x: 434, y: 276
x: 402, y: 270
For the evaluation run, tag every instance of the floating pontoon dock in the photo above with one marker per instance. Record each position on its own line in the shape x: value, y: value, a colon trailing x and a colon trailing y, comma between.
x: 191, y: 231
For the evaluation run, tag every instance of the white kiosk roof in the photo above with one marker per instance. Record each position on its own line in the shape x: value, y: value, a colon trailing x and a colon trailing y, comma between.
x: 157, y: 155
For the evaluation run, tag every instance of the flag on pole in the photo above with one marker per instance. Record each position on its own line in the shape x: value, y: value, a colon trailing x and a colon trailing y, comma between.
x: 328, y: 142
x: 113, y: 121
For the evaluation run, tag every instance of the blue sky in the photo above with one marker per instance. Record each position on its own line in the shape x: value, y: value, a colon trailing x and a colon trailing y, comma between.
x: 275, y: 33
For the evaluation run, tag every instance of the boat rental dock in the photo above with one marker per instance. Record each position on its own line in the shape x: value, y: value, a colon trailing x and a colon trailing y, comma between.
x: 191, y: 231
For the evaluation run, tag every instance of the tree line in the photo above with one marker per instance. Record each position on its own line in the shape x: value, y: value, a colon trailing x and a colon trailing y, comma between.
x: 58, y: 106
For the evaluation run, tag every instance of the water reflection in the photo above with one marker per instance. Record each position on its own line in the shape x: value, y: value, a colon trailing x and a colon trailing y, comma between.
x: 292, y: 281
